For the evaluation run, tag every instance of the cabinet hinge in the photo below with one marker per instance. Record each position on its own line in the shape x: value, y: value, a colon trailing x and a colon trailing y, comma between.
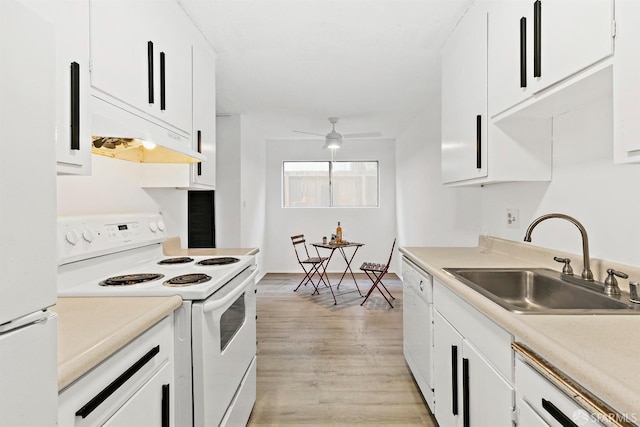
x: 515, y: 415
x: 90, y: 65
x: 613, y: 28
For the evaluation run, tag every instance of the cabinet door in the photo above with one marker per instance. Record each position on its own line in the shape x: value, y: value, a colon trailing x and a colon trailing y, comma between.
x: 464, y: 99
x: 141, y: 56
x: 626, y: 91
x: 151, y: 405
x: 447, y: 355
x: 487, y: 399
x: 172, y: 29
x: 73, y: 134
x: 510, y: 61
x: 574, y: 35
x: 204, y: 114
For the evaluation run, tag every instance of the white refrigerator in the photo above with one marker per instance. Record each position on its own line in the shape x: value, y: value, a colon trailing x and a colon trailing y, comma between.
x: 28, y: 331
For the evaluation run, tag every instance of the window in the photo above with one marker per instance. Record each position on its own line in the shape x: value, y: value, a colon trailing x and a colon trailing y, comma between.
x: 330, y: 184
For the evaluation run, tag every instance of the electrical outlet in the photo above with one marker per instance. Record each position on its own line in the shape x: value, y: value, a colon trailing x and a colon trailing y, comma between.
x: 513, y: 218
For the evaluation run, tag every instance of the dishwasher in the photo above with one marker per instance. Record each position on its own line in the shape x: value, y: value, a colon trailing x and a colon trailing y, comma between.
x: 417, y: 322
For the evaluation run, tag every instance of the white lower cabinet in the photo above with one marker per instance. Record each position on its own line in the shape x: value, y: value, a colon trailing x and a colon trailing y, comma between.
x: 149, y: 406
x: 527, y: 417
x: 473, y: 365
x: 133, y: 387
x: 550, y: 405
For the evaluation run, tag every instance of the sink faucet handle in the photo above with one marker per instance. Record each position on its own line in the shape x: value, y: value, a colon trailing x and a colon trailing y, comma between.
x: 611, y: 284
x: 633, y: 292
x: 566, y: 269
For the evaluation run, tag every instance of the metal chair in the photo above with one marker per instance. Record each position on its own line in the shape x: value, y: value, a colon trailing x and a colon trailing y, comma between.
x: 376, y: 272
x: 310, y: 265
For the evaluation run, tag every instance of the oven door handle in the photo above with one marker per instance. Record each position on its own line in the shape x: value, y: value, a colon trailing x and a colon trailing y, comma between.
x: 214, y: 304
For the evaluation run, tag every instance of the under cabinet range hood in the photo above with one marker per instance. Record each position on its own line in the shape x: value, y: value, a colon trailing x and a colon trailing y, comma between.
x: 123, y: 135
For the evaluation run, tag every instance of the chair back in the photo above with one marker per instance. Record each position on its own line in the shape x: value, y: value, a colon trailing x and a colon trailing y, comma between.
x: 391, y: 254
x: 299, y: 240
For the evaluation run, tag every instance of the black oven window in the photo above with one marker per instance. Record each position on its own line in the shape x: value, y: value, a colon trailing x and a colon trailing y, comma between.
x: 231, y: 321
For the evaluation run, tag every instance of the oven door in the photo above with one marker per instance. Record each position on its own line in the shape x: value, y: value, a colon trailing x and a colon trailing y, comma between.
x: 224, y: 344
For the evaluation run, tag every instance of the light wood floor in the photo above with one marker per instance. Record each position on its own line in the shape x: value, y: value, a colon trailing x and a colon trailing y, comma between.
x: 324, y: 364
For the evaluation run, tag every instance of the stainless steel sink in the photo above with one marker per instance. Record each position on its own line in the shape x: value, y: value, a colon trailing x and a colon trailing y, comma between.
x: 540, y: 291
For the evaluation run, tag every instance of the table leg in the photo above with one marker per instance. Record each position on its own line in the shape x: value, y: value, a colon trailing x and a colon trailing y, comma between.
x: 348, y: 261
x: 324, y: 273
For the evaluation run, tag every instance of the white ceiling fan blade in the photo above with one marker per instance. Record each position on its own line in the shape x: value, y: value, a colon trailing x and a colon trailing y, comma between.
x: 308, y: 133
x: 362, y: 135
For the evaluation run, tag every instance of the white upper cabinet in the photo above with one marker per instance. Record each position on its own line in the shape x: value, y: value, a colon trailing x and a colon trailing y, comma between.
x: 73, y: 134
x: 535, y: 44
x: 475, y: 150
x: 464, y: 99
x: 626, y: 89
x: 204, y: 115
x: 194, y: 176
x: 141, y: 59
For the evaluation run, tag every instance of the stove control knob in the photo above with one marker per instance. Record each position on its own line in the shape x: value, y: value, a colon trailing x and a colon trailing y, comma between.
x: 72, y: 237
x: 88, y: 235
x: 161, y: 225
x: 153, y: 226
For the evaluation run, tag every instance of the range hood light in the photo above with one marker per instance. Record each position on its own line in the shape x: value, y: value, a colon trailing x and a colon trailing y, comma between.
x: 148, y: 145
x: 138, y: 150
x: 120, y: 134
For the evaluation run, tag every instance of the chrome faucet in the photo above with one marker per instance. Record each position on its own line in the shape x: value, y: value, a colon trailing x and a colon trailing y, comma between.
x: 586, y: 272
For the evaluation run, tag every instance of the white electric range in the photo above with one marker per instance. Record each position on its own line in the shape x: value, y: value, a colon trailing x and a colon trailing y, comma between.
x: 215, y: 329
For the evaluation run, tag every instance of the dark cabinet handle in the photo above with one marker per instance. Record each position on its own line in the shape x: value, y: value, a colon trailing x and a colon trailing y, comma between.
x: 163, y: 103
x: 99, y: 398
x: 523, y: 52
x: 465, y: 392
x: 166, y: 407
x: 75, y: 106
x: 150, y: 70
x: 199, y: 151
x: 478, y: 141
x: 537, y: 39
x: 557, y: 414
x: 454, y: 379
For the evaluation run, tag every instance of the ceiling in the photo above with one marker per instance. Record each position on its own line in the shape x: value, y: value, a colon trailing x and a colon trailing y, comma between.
x: 291, y: 64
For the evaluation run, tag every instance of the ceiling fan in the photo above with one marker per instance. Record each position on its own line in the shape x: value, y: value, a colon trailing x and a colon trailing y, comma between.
x: 334, y: 140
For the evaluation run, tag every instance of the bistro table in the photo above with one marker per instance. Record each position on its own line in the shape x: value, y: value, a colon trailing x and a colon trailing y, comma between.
x: 348, y: 259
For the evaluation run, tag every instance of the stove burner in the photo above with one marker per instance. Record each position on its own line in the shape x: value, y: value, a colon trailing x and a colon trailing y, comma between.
x: 187, y: 280
x: 218, y: 261
x: 130, y: 279
x: 179, y: 260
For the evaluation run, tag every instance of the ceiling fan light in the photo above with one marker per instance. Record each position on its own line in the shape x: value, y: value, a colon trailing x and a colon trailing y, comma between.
x: 333, y: 143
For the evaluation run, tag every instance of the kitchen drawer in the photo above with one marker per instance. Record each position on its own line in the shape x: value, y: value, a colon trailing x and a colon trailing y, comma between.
x: 118, y: 379
x: 547, y: 400
x: 490, y: 339
x: 527, y: 417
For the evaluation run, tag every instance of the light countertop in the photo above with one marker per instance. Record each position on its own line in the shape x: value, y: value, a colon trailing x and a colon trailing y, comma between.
x: 92, y: 329
x: 599, y: 352
x: 172, y: 246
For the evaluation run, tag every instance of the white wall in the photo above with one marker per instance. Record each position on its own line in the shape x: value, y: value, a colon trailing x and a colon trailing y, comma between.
x: 228, y: 189
x: 253, y: 189
x: 428, y: 213
x: 586, y: 185
x: 114, y: 187
x: 375, y: 227
x: 240, y: 185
